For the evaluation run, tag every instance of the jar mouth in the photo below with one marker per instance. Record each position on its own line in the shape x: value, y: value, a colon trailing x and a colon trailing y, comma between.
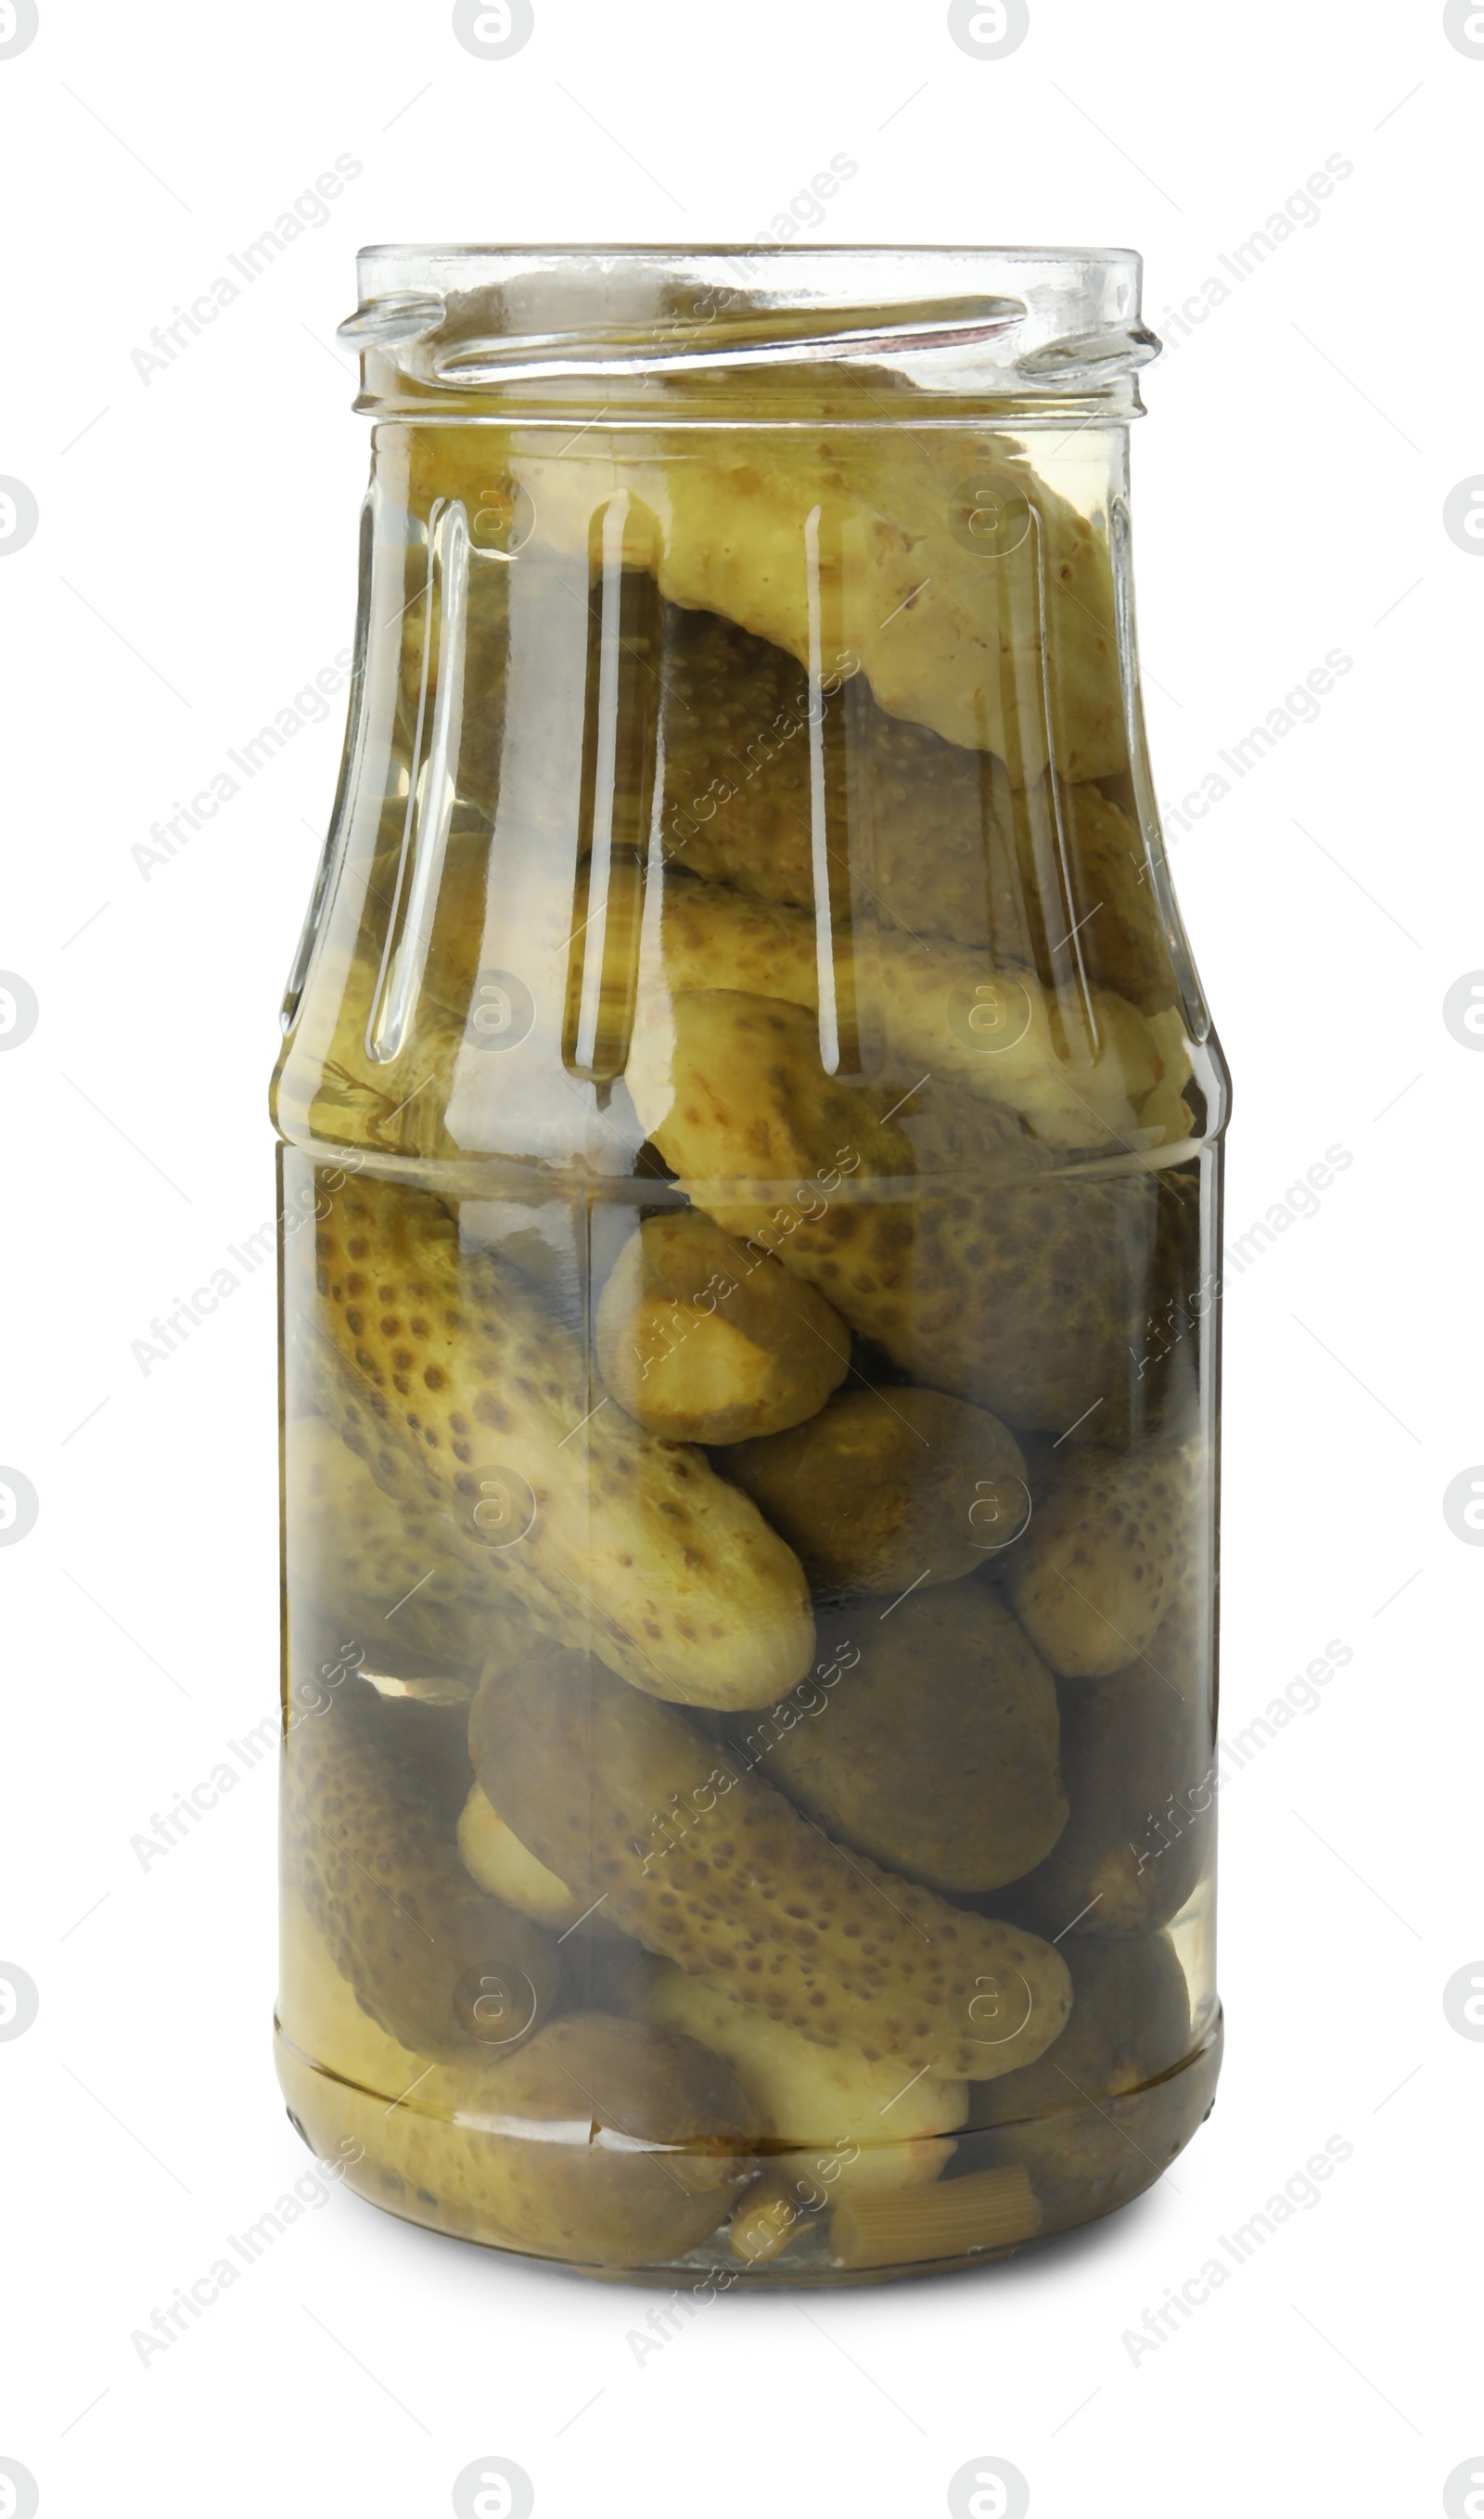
x: 437, y: 322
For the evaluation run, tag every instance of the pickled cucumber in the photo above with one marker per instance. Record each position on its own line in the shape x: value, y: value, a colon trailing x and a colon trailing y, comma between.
x: 1096, y: 2121
x: 368, y: 1844
x: 874, y: 531
x: 941, y: 844
x: 460, y: 1369
x: 602, y: 2143
x: 701, y: 1861
x: 1029, y: 1297
x: 985, y: 651
x: 387, y: 1577
x: 1092, y: 1579
x: 705, y: 1343
x: 1136, y: 1761
x: 937, y: 1753
x: 1076, y: 1079
x: 889, y: 1487
x: 494, y: 1856
x: 858, y: 2130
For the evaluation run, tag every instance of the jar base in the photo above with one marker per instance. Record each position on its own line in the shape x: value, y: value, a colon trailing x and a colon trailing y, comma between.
x: 1006, y: 2190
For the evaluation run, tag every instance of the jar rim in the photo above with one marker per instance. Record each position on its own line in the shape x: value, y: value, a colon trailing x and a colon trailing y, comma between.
x: 441, y: 320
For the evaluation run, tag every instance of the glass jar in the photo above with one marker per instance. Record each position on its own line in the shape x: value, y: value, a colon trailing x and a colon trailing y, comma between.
x: 750, y: 1170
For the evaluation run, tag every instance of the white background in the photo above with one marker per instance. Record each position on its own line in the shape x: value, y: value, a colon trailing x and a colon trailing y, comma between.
x: 193, y: 568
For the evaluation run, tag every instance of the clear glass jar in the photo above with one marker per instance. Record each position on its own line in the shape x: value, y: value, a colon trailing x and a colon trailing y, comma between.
x: 750, y: 1171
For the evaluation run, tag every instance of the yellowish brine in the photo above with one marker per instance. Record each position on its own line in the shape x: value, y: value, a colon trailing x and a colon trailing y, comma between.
x: 750, y: 1166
